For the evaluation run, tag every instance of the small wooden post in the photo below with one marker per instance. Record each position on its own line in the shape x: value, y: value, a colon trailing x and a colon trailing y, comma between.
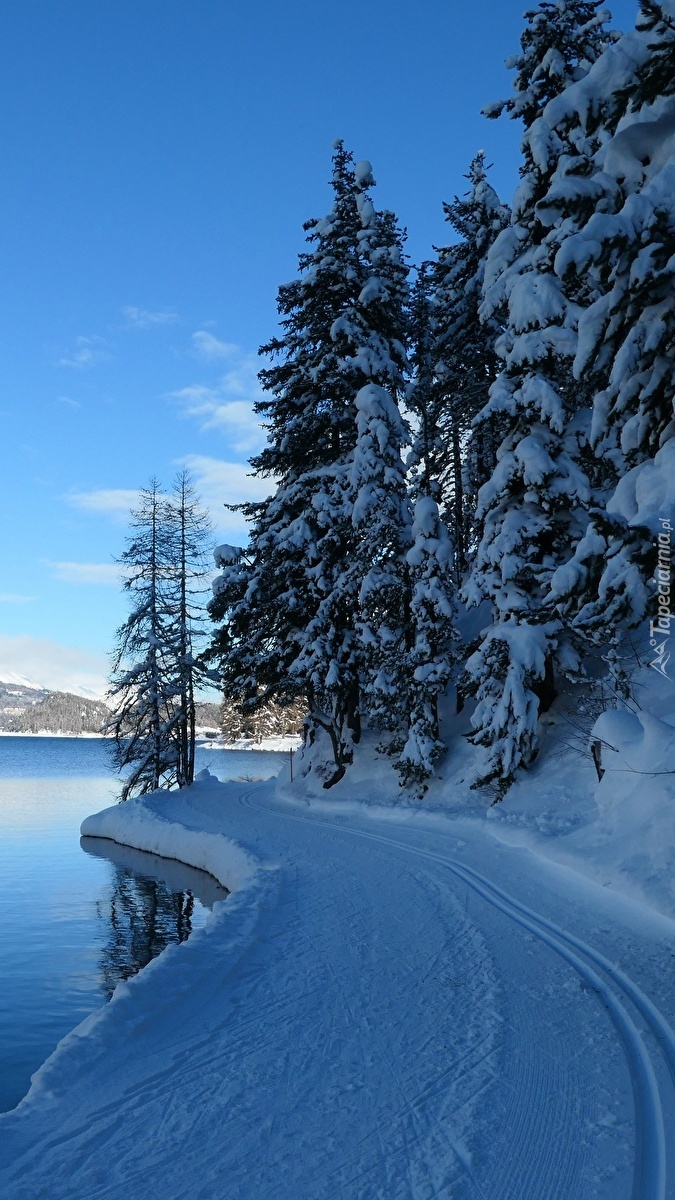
x: 291, y: 757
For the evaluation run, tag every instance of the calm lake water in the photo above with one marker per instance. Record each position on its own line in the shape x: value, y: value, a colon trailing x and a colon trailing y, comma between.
x: 75, y: 919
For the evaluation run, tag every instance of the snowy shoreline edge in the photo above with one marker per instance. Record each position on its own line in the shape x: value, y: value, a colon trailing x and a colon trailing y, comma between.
x: 230, y: 930
x: 138, y: 825
x: 268, y: 744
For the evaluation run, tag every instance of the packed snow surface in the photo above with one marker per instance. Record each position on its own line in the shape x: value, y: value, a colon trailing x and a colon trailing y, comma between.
x: 275, y: 742
x: 392, y: 1004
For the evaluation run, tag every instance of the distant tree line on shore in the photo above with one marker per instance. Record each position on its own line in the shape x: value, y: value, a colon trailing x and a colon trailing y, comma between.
x: 267, y: 720
x: 68, y: 713
x: 59, y: 712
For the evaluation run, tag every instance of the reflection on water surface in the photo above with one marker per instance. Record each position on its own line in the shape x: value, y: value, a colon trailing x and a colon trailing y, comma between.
x: 73, y: 923
x: 149, y: 905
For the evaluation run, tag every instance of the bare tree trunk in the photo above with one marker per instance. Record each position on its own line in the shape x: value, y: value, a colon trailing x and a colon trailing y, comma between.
x: 341, y: 753
x: 155, y: 629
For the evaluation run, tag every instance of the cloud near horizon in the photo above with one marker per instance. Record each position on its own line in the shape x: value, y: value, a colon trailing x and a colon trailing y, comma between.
x: 105, y: 574
x: 53, y: 665
x: 117, y: 502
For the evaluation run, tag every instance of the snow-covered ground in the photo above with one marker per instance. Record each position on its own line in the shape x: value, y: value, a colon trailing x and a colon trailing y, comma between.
x: 287, y: 742
x: 394, y: 1003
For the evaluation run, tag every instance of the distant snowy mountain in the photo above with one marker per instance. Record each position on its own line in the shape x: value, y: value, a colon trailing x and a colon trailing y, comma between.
x: 11, y: 677
x: 27, y: 708
x: 16, y: 697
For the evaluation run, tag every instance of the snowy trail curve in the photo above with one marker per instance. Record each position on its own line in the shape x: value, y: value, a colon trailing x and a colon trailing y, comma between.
x: 649, y: 1176
x: 374, y: 1017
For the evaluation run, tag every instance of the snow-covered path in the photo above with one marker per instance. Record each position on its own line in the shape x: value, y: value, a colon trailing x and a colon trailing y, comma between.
x: 404, y: 1009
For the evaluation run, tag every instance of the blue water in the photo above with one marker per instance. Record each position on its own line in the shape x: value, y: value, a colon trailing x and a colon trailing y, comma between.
x: 76, y: 919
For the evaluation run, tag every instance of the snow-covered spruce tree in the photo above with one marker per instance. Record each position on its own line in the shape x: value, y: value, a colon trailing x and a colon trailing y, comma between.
x: 380, y: 512
x: 430, y: 660
x: 144, y: 683
x: 382, y: 520
x: 627, y: 335
x: 456, y: 361
x: 276, y: 597
x: 421, y: 395
x: 189, y: 530
x: 560, y: 43
x: 290, y: 604
x: 403, y: 565
x: 533, y: 509
x: 368, y: 511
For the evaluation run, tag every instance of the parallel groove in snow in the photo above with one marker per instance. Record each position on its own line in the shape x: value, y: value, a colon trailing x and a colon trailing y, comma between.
x: 311, y: 1077
x: 649, y: 1176
x: 381, y: 1033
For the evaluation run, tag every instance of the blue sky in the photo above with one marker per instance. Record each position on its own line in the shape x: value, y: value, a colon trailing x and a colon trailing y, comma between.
x: 159, y: 159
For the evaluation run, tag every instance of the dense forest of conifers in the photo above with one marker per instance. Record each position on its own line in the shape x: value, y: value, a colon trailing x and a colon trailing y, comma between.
x: 493, y: 431
x: 58, y: 712
x: 65, y: 712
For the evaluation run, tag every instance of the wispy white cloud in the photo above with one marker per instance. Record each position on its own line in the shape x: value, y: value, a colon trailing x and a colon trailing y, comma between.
x: 235, y: 419
x: 52, y: 665
x: 219, y: 483
x: 86, y: 352
x: 208, y: 346
x: 115, y: 501
x: 69, y: 402
x: 227, y: 405
x: 107, y: 574
x: 143, y: 318
x: 15, y: 598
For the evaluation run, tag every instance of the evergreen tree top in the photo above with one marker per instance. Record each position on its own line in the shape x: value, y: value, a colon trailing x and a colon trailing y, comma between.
x: 457, y: 276
x: 479, y: 212
x: 342, y: 323
x: 560, y: 43
x: 477, y: 217
x: 656, y: 77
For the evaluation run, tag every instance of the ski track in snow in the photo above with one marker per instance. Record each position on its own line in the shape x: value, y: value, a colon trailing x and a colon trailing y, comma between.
x: 394, y: 1026
x: 649, y: 1174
